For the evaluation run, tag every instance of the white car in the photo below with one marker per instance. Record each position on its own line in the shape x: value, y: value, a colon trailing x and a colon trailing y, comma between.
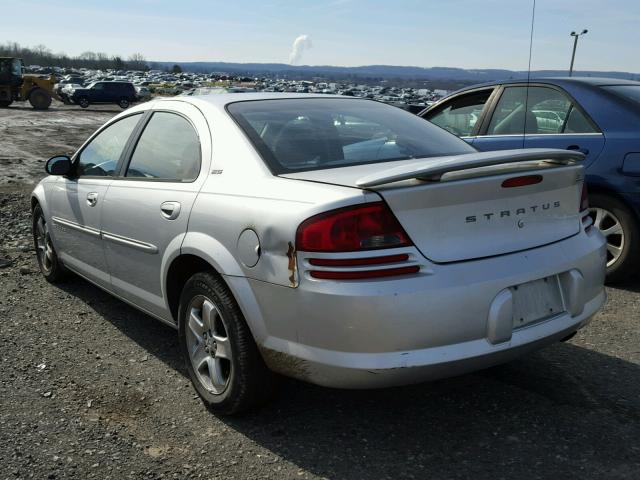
x: 340, y: 241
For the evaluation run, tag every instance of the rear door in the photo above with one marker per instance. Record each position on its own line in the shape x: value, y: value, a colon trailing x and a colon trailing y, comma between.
x: 146, y: 211
x: 77, y: 201
x: 539, y: 116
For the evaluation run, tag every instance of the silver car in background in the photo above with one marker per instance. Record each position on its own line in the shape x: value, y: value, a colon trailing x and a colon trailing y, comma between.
x: 340, y: 241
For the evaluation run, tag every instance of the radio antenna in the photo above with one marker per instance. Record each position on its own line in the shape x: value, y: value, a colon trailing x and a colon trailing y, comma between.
x: 526, y: 100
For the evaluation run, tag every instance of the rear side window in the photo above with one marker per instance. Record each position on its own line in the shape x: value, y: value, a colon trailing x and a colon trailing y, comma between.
x: 295, y: 135
x: 537, y: 111
x: 168, y: 149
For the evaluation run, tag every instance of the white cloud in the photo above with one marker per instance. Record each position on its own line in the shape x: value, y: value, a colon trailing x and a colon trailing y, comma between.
x: 300, y: 44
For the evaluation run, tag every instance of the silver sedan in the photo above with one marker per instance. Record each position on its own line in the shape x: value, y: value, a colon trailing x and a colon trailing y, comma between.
x: 340, y: 241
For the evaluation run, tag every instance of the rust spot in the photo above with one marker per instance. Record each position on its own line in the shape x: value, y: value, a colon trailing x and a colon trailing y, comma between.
x: 291, y: 255
x: 285, y: 364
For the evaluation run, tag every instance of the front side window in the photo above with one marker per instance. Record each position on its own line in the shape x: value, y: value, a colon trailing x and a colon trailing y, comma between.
x: 536, y: 111
x: 100, y: 157
x: 460, y: 115
x: 311, y: 134
x: 168, y: 149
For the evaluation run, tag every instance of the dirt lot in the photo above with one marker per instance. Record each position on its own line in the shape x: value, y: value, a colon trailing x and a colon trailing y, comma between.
x: 28, y: 137
x: 90, y: 388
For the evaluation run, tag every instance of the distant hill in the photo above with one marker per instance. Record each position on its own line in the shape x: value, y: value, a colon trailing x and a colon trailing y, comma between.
x: 381, y: 71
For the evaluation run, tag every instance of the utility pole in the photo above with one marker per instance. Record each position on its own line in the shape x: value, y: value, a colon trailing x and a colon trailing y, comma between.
x: 575, y: 45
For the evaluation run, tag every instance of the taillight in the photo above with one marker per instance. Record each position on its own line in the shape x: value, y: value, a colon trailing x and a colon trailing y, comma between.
x: 584, y: 199
x: 584, y: 209
x: 522, y: 181
x: 364, y: 274
x: 350, y: 229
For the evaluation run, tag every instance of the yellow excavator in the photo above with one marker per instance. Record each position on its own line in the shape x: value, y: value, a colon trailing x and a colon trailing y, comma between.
x: 16, y: 86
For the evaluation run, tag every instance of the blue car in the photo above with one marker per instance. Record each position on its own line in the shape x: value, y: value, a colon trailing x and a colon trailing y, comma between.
x: 597, y: 116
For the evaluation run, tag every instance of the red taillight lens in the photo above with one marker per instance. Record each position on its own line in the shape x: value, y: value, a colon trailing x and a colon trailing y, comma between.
x: 522, y: 181
x: 358, y: 262
x: 584, y: 199
x: 360, y: 227
x: 364, y: 274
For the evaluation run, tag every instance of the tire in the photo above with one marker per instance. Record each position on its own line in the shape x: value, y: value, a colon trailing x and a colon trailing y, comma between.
x: 123, y: 103
x: 83, y: 102
x: 5, y: 103
x: 220, y: 353
x: 39, y: 99
x: 50, y: 267
x: 620, y: 227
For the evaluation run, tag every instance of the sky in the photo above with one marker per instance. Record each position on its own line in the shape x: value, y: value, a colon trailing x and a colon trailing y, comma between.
x: 426, y: 33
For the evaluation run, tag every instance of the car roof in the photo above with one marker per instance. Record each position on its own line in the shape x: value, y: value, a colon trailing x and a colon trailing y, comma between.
x: 221, y: 100
x: 591, y: 81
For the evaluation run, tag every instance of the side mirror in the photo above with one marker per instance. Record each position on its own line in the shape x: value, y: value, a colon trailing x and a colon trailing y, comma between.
x: 58, y: 165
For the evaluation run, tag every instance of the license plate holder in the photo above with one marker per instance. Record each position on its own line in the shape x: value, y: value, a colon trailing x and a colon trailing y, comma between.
x: 536, y: 301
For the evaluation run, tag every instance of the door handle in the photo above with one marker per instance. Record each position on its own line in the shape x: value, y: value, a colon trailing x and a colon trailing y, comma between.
x: 92, y: 199
x: 170, y: 210
x: 578, y: 149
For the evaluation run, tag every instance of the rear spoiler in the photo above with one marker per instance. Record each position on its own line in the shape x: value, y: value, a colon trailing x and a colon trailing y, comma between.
x: 434, y: 168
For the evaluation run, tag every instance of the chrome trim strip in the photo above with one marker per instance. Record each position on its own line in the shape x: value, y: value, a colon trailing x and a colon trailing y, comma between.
x: 591, y: 134
x: 76, y: 226
x: 129, y: 242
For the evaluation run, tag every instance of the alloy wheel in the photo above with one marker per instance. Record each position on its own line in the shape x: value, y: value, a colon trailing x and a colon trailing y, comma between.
x: 611, y: 228
x: 43, y: 244
x: 208, y: 345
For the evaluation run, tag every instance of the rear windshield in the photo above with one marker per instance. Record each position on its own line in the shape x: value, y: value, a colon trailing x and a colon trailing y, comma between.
x: 630, y: 92
x: 294, y: 135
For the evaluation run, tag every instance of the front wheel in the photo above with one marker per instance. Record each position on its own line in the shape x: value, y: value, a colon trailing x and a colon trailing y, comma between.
x: 40, y: 99
x: 620, y: 228
x: 83, y: 102
x: 220, y: 353
x: 50, y: 267
x: 123, y: 103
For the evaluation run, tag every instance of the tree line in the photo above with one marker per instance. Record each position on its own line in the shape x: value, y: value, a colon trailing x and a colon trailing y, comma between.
x: 44, y: 57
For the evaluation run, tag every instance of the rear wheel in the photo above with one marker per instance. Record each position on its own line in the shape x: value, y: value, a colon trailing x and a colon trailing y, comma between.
x: 40, y: 99
x: 123, y: 103
x: 620, y: 227
x: 5, y: 103
x: 50, y: 267
x: 221, y: 356
x: 83, y: 102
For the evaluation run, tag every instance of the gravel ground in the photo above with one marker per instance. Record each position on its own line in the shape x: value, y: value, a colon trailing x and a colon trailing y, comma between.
x: 91, y: 388
x: 29, y: 137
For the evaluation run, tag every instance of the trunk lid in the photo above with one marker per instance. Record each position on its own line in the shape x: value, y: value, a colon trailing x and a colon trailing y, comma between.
x: 456, y: 208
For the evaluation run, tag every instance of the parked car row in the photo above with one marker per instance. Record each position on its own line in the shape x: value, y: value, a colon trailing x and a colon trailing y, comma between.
x: 599, y: 117
x: 412, y: 98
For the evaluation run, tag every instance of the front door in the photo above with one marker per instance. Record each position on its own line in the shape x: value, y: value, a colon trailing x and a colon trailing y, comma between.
x: 146, y: 210
x: 77, y: 200
x: 462, y: 115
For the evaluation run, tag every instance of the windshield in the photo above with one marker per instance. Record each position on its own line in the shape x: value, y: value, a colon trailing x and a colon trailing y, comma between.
x: 630, y: 92
x: 294, y: 135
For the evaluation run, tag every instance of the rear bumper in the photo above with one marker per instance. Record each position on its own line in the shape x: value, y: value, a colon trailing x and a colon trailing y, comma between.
x: 365, y: 334
x: 376, y: 370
